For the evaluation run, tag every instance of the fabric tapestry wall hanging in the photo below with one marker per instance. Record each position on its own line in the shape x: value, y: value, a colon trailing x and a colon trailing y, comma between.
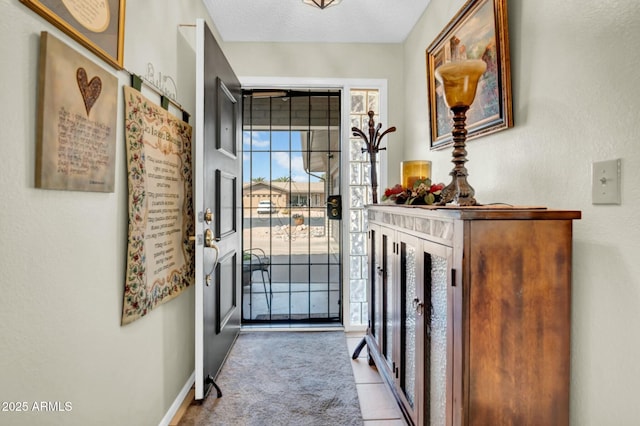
x: 478, y: 31
x: 77, y: 117
x: 160, y: 256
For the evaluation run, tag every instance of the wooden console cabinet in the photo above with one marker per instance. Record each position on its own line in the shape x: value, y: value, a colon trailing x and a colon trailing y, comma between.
x: 469, y: 313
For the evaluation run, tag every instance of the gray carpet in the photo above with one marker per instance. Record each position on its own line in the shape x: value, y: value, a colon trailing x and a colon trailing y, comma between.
x: 283, y: 378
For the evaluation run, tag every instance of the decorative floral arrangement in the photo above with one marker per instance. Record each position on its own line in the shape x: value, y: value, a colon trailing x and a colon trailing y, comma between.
x: 423, y: 192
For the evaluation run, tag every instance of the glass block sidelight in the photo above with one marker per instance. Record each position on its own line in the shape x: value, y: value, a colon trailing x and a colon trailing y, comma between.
x: 357, y: 312
x: 365, y: 268
x: 357, y: 196
x: 366, y: 175
x: 355, y: 221
x: 360, y: 194
x: 358, y: 246
x: 355, y: 175
x: 356, y: 268
x: 359, y: 290
x: 355, y: 151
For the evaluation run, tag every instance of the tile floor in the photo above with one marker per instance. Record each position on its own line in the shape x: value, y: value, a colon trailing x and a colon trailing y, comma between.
x: 376, y: 401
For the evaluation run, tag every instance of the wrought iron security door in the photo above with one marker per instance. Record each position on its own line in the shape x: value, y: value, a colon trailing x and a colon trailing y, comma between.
x: 291, y: 241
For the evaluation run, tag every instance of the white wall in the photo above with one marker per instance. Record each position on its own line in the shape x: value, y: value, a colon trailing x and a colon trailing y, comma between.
x: 63, y: 253
x: 576, y: 87
x: 330, y: 60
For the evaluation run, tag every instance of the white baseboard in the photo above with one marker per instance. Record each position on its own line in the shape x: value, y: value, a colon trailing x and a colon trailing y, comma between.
x: 166, y: 420
x: 355, y: 329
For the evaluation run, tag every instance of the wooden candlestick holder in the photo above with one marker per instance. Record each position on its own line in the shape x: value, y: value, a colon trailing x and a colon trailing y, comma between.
x: 459, y: 191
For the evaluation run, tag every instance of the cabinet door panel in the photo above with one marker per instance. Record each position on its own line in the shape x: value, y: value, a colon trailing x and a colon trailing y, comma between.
x: 424, y: 306
x: 412, y: 308
x: 388, y: 297
x: 519, y: 322
x: 437, y: 263
x: 381, y: 292
x: 375, y: 279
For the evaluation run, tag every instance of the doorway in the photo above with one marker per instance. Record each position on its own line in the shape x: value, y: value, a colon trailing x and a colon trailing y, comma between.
x: 292, y: 238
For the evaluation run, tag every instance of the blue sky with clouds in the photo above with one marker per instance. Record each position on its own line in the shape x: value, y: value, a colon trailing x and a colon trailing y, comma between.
x: 272, y: 155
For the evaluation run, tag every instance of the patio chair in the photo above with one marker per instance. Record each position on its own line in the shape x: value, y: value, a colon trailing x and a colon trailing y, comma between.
x: 252, y: 262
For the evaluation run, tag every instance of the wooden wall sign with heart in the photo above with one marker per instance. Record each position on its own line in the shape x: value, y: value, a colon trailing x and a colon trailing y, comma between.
x: 74, y: 151
x: 90, y: 90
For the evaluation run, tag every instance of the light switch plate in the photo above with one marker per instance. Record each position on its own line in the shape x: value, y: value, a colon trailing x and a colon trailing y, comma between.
x: 605, y: 187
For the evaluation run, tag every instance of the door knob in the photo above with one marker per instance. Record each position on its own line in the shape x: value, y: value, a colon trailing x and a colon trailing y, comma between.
x: 208, y: 238
x: 208, y: 243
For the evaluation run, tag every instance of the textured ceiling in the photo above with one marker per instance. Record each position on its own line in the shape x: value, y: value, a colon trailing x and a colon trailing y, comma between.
x: 351, y: 21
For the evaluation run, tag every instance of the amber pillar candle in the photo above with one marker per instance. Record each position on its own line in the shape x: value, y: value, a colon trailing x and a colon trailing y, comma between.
x: 413, y: 171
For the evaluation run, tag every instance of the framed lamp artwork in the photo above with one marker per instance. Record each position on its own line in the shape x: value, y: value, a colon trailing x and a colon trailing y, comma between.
x: 96, y: 24
x: 478, y: 31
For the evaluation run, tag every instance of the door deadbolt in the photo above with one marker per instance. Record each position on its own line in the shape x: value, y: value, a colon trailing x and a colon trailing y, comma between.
x: 334, y: 207
x: 206, y: 216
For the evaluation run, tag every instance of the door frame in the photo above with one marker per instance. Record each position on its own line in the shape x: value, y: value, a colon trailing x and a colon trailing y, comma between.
x: 198, y: 182
x: 345, y: 85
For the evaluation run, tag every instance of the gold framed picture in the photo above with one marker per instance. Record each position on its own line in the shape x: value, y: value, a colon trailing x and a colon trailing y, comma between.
x: 478, y: 31
x: 97, y: 24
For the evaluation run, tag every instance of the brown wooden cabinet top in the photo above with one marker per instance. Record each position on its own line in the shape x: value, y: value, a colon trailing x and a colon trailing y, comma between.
x: 490, y: 212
